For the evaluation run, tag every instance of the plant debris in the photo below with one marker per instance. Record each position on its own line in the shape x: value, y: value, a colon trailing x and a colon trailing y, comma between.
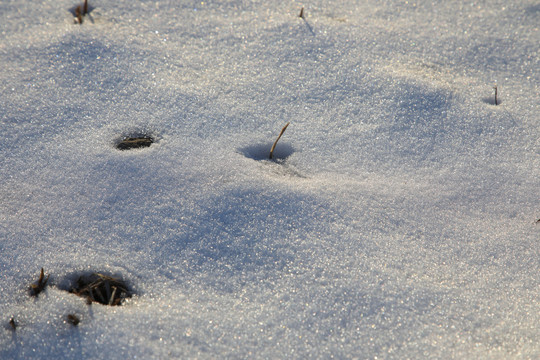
x: 13, y: 324
x: 271, y: 156
x: 101, y: 288
x: 73, y: 319
x: 35, y: 289
x: 79, y: 12
x: 135, y: 143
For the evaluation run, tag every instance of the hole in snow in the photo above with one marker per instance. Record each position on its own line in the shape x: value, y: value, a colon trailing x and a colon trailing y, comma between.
x: 100, y: 288
x: 135, y: 142
x: 262, y: 152
x: 278, y: 164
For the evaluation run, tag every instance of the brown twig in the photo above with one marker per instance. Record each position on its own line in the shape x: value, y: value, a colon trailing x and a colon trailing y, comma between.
x: 496, y: 101
x: 275, y: 143
x: 301, y: 13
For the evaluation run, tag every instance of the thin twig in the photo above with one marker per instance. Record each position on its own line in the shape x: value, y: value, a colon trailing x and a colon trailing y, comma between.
x: 275, y: 143
x: 496, y: 102
x: 301, y: 13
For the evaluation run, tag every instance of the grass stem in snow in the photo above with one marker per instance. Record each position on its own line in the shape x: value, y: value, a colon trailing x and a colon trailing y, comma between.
x: 275, y: 143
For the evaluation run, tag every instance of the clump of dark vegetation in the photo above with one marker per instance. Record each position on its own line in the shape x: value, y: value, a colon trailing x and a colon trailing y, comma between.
x: 38, y: 287
x: 102, y: 289
x: 73, y: 319
x: 135, y: 142
x: 271, y: 156
x: 80, y: 11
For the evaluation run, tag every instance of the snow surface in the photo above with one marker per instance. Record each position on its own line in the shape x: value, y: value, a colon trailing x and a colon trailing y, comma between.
x: 398, y: 222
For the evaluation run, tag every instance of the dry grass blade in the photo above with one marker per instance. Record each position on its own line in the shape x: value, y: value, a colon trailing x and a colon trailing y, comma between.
x: 271, y: 156
x: 80, y: 12
x: 35, y: 289
x: 111, y: 299
x: 301, y: 13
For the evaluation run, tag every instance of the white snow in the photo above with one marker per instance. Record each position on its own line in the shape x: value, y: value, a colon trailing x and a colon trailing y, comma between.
x: 398, y: 221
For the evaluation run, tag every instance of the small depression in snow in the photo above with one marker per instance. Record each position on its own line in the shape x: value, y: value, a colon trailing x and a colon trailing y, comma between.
x: 262, y: 152
x: 278, y: 165
x: 491, y: 100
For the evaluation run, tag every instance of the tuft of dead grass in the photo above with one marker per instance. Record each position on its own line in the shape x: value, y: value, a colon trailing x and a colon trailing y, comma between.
x: 102, y: 289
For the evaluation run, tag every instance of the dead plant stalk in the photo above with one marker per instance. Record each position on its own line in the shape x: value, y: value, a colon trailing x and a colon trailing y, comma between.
x: 275, y: 143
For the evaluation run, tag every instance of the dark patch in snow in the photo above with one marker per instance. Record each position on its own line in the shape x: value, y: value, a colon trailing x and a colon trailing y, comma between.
x: 137, y: 142
x: 73, y: 319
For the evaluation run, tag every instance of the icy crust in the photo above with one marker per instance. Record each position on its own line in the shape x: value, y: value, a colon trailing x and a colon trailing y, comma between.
x: 397, y: 220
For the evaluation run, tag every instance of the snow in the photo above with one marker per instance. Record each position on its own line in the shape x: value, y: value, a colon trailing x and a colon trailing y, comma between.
x: 398, y: 221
